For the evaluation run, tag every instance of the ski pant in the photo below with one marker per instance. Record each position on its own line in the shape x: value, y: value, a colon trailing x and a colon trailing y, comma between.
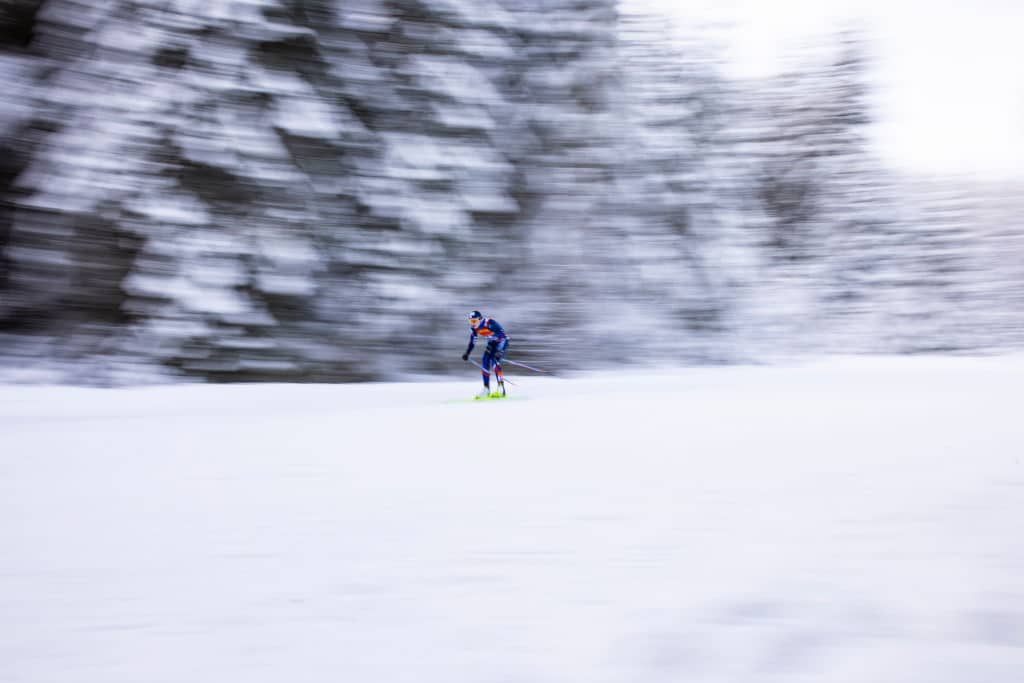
x: 493, y: 354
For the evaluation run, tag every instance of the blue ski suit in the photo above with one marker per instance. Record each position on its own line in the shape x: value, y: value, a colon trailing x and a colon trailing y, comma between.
x: 497, y: 346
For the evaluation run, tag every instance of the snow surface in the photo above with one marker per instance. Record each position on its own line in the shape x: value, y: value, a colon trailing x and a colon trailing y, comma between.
x: 852, y: 520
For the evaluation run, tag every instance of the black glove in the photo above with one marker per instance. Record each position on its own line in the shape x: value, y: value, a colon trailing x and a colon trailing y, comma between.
x: 465, y: 356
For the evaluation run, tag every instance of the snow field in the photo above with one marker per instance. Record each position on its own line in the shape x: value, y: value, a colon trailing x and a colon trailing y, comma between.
x: 843, y: 521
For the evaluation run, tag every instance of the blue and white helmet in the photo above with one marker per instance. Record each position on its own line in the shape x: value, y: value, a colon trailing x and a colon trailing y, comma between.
x: 475, y: 318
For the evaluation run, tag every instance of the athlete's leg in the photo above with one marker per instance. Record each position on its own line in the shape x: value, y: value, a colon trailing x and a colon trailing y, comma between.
x: 486, y: 362
x: 499, y: 353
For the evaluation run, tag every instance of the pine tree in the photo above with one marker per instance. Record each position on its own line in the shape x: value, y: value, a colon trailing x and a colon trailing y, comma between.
x: 671, y: 196
x: 818, y: 203
x: 564, y: 89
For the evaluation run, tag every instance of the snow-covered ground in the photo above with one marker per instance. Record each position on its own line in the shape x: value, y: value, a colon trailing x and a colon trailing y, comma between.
x: 856, y: 520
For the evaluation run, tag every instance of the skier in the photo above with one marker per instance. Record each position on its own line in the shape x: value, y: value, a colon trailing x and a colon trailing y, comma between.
x: 497, y: 345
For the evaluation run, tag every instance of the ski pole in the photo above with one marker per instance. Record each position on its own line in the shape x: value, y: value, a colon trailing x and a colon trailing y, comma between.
x: 524, y: 365
x: 488, y: 372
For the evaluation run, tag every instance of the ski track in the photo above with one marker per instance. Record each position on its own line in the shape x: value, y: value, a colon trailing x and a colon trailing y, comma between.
x: 844, y: 521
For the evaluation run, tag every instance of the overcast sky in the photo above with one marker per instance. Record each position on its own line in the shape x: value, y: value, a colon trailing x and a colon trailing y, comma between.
x: 949, y: 77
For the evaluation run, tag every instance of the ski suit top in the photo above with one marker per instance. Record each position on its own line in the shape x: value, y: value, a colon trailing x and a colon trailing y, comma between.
x: 490, y: 330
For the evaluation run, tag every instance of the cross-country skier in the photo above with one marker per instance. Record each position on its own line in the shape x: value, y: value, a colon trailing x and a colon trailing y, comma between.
x: 497, y: 345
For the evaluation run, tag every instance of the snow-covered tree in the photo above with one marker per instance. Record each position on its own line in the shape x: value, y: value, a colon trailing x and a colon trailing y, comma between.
x: 672, y: 198
x: 819, y: 209
x: 320, y: 190
x: 564, y: 85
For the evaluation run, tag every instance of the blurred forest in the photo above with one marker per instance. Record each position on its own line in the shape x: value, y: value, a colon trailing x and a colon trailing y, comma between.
x: 321, y: 190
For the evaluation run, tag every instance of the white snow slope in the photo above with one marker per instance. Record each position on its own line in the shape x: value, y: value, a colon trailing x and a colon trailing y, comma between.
x: 858, y: 521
